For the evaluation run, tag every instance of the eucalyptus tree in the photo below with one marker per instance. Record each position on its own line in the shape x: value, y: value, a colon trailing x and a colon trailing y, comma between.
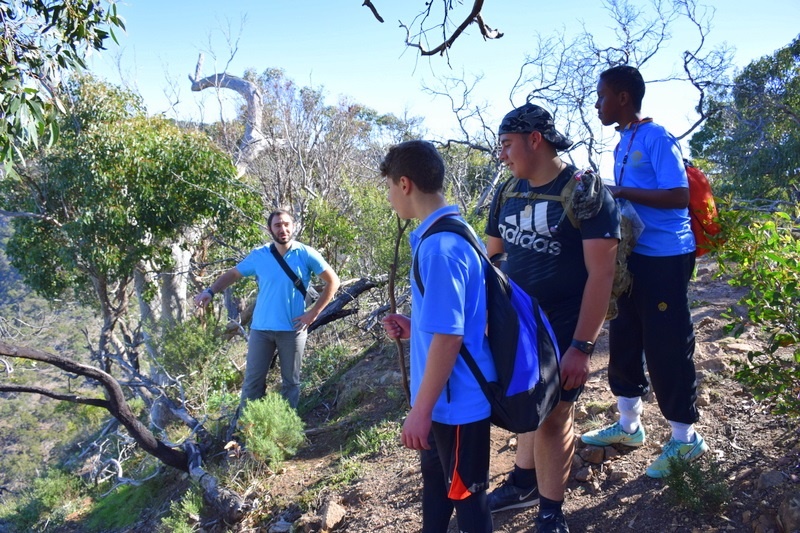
x: 40, y: 41
x: 752, y: 146
x: 120, y: 198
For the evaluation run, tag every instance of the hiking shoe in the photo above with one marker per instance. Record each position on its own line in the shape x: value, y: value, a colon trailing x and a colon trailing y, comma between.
x: 614, y: 434
x: 688, y: 451
x: 552, y: 523
x: 509, y: 496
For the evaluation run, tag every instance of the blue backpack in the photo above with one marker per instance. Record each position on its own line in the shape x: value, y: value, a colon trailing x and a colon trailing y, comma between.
x: 522, y: 342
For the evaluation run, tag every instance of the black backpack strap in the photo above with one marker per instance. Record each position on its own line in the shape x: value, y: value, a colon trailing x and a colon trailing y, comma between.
x: 505, y: 189
x: 451, y: 225
x: 297, y: 282
x: 454, y: 225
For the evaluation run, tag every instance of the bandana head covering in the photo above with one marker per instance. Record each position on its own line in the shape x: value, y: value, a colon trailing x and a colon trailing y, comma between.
x: 529, y: 118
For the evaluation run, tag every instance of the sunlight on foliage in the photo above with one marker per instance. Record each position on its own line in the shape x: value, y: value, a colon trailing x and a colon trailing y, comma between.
x: 763, y: 254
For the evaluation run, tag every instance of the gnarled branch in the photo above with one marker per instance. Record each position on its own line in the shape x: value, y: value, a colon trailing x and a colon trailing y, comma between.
x: 253, y: 141
x: 474, y: 16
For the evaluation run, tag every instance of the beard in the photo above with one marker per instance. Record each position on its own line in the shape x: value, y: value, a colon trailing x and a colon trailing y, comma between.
x: 281, y: 239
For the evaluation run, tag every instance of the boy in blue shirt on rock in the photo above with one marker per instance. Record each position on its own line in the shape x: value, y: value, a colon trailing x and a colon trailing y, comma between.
x: 449, y: 418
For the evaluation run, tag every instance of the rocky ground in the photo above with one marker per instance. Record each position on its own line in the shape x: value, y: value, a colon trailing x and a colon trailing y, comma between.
x: 757, y: 453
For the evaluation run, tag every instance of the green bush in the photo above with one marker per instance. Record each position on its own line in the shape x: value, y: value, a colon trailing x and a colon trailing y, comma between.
x: 271, y: 429
x: 698, y: 486
x: 762, y: 253
x: 47, y: 503
x: 323, y: 363
x: 182, y: 513
x: 187, y: 346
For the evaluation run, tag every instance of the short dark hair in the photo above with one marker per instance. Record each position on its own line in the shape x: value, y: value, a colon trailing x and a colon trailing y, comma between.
x: 276, y: 213
x: 628, y: 79
x: 419, y: 161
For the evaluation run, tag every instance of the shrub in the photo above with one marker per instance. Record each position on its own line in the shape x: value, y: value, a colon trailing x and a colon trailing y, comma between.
x: 271, y: 429
x: 698, y: 486
x: 374, y: 439
x: 51, y: 498
x: 762, y: 253
x: 187, y: 346
x: 182, y: 513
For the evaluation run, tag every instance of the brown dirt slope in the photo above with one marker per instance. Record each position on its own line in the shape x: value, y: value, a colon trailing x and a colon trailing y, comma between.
x: 757, y: 452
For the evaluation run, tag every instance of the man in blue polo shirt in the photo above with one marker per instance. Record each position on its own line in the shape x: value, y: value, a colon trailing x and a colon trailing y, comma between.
x: 280, y: 319
x: 449, y: 418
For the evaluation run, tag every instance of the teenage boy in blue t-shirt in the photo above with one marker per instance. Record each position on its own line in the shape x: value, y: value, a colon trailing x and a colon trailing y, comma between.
x: 449, y: 418
x: 654, y: 325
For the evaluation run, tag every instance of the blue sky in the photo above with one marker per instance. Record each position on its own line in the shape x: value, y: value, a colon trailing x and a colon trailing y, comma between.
x: 339, y: 45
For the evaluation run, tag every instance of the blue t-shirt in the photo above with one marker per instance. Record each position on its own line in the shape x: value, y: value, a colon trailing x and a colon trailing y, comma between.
x: 655, y: 162
x: 278, y: 301
x: 453, y: 275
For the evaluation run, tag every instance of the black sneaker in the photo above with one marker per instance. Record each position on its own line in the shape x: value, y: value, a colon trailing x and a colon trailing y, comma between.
x: 551, y: 523
x: 509, y: 496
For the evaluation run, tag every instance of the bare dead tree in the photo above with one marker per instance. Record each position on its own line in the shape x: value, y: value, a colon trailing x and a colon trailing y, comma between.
x: 336, y: 308
x: 372, y: 8
x: 449, y: 31
x: 187, y: 458
x: 253, y: 141
x: 562, y: 72
x: 114, y: 402
x: 703, y: 71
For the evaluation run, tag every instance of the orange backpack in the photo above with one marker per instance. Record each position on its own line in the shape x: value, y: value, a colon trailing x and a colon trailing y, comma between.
x: 702, y: 210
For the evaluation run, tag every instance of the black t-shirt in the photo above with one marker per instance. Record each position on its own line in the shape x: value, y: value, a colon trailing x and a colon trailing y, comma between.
x: 545, y: 251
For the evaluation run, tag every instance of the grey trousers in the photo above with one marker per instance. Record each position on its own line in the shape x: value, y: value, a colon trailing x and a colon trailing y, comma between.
x: 261, y: 348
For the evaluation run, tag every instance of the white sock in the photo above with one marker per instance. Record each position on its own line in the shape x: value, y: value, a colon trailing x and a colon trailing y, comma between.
x: 630, y: 412
x: 682, y: 432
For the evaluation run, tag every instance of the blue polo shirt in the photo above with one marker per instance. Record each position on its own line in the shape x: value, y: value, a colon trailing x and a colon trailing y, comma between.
x: 454, y: 303
x: 655, y: 162
x: 278, y: 301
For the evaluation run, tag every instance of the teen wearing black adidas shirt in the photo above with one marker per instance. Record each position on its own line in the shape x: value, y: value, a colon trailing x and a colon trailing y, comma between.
x: 570, y: 271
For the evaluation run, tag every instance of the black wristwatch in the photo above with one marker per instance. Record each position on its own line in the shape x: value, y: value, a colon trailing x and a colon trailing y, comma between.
x: 584, y: 346
x: 209, y: 291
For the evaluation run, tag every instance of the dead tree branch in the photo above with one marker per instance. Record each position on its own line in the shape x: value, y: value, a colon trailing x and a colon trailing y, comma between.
x: 401, y: 353
x: 335, y: 309
x: 473, y: 16
x: 227, y: 503
x: 253, y: 141
x: 115, y: 403
x: 21, y: 214
x: 373, y: 9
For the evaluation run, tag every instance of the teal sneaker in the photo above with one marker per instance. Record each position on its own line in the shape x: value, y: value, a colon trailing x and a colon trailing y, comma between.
x: 614, y: 434
x: 688, y: 451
